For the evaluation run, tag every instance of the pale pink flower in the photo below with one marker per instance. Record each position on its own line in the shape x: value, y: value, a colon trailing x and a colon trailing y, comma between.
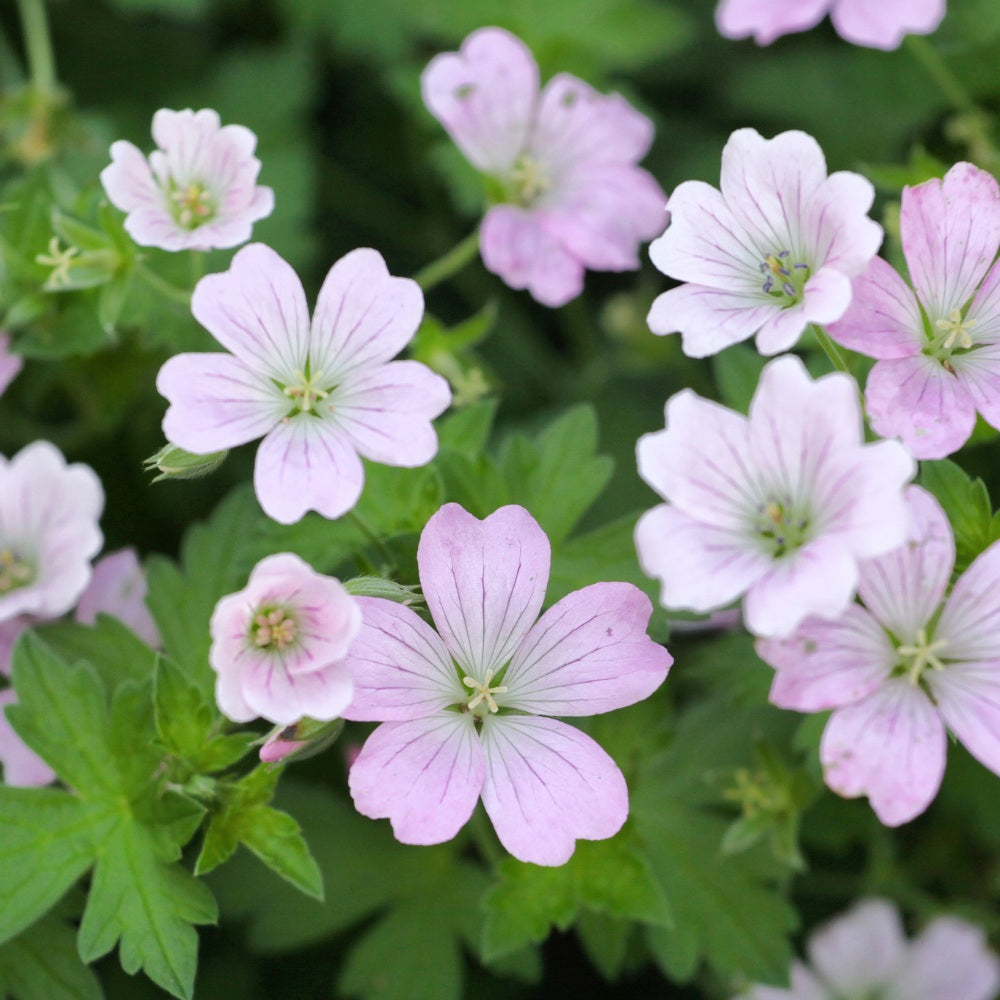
x: 465, y: 709
x: 49, y: 513
x: 877, y: 24
x: 321, y: 392
x: 196, y: 191
x: 118, y: 587
x: 278, y: 645
x: 771, y: 252
x: 21, y: 765
x: 864, y: 953
x: 901, y: 668
x: 10, y: 363
x: 779, y: 505
x: 938, y: 349
x: 567, y: 194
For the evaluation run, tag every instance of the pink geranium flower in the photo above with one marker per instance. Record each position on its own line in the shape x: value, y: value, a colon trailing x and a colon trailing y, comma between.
x: 562, y: 163
x: 465, y: 709
x: 118, y: 587
x: 779, y: 505
x: 864, y: 953
x: 900, y: 669
x: 320, y: 392
x: 878, y: 24
x: 279, y: 644
x: 49, y: 532
x: 772, y: 251
x: 938, y: 349
x: 196, y: 191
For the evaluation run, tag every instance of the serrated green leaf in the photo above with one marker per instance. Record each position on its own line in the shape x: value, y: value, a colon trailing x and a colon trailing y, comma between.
x: 605, y: 940
x: 42, y: 963
x: 608, y: 876
x: 113, y: 649
x: 184, y: 715
x: 967, y: 504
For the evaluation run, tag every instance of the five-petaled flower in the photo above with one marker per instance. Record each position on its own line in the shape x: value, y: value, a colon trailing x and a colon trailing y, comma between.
x: 320, y: 392
x: 877, y: 24
x: 196, y: 191
x: 464, y: 710
x: 863, y: 954
x: 900, y: 669
x: 567, y: 194
x: 771, y: 252
x: 938, y: 350
x: 779, y: 505
x: 278, y: 645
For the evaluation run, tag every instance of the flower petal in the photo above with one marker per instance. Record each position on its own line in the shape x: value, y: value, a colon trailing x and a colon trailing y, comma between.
x: 767, y: 20
x: 890, y: 747
x: 548, y: 785
x: 970, y: 621
x: 968, y: 697
x: 364, y: 316
x: 484, y: 581
x: 424, y: 776
x: 283, y: 696
x: 307, y: 464
x: 883, y: 25
x: 257, y: 309
x: 387, y: 412
x: 128, y: 180
x: 216, y: 402
x: 401, y: 667
x: 828, y: 664
x: 22, y: 767
x: 588, y: 653
x: 484, y: 95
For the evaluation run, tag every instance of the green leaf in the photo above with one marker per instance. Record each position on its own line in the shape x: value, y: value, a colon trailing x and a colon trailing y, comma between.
x: 737, y: 371
x: 42, y: 964
x: 467, y: 431
x: 605, y: 940
x: 246, y: 817
x: 607, y: 876
x: 967, y: 504
x: 112, y: 648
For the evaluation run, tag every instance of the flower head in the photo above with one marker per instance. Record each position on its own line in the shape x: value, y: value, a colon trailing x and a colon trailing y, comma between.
x: 279, y: 644
x: 772, y: 251
x: 562, y: 164
x: 49, y: 532
x: 321, y: 392
x: 877, y: 24
x: 196, y: 191
x: 465, y: 708
x: 863, y: 954
x: 938, y: 349
x: 779, y: 505
x: 901, y: 668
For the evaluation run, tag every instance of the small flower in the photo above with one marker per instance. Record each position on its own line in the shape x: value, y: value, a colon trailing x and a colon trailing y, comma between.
x: 464, y: 709
x: 877, y: 24
x: 320, y: 392
x: 118, y: 587
x: 49, y: 532
x: 567, y: 194
x: 278, y: 645
x: 197, y: 190
x: 864, y: 954
x: 21, y: 765
x: 938, y: 349
x: 901, y: 668
x: 779, y: 506
x: 772, y: 251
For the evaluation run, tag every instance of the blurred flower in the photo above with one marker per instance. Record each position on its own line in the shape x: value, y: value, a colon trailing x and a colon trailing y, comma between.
x: 49, y: 532
x: 320, y: 393
x: 278, y: 645
x: 567, y: 194
x: 10, y: 364
x: 771, y: 252
x: 938, y: 350
x: 901, y: 668
x: 21, y: 765
x: 464, y: 709
x: 197, y: 190
x: 118, y: 587
x: 863, y: 954
x: 878, y: 24
x: 779, y: 506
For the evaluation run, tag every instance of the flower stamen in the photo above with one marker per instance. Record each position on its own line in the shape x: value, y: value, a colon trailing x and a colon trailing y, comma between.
x: 483, y: 692
x: 529, y: 180
x: 955, y: 327
x: 192, y: 205
x: 306, y: 393
x: 273, y: 629
x: 14, y: 572
x: 922, y: 654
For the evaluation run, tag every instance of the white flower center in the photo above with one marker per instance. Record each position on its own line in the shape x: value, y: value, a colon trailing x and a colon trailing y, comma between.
x: 921, y: 655
x: 273, y: 628
x: 784, y: 278
x: 14, y: 571
x: 782, y: 525
x: 955, y: 328
x: 483, y: 693
x: 307, y: 391
x: 528, y: 180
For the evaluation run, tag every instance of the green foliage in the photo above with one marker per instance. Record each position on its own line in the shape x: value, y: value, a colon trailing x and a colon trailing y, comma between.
x: 42, y: 963
x: 967, y: 504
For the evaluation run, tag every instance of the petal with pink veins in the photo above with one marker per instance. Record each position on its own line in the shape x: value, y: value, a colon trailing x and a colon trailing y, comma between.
x: 283, y: 696
x: 968, y: 697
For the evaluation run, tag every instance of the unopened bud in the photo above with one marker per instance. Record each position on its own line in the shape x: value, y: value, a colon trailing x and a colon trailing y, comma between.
x: 176, y: 463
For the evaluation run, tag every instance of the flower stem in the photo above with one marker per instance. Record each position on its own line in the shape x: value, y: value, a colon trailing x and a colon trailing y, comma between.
x: 38, y: 45
x: 929, y: 57
x: 830, y: 349
x: 451, y: 263
x: 366, y: 530
x: 164, y: 287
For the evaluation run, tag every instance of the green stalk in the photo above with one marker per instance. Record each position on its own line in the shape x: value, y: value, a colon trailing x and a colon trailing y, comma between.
x: 38, y: 45
x: 830, y: 349
x: 449, y: 264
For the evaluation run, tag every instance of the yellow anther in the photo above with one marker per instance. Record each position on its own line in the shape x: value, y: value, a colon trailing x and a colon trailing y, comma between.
x: 957, y: 328
x: 484, y: 693
x: 274, y: 629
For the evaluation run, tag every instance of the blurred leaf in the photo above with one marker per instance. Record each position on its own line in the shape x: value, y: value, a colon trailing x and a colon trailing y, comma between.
x: 42, y: 963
